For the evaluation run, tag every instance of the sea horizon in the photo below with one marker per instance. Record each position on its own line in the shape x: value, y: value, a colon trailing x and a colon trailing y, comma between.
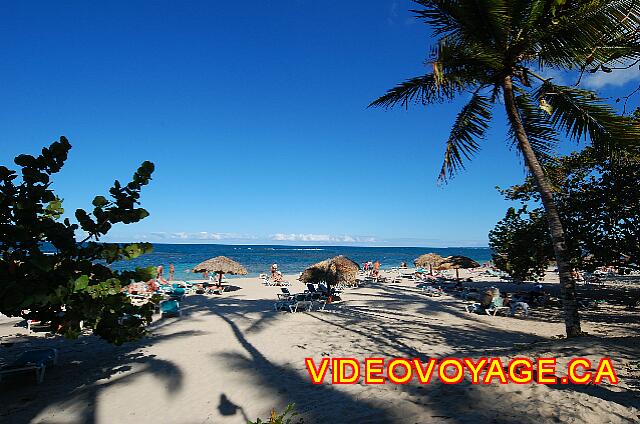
x: 291, y: 259
x: 305, y: 245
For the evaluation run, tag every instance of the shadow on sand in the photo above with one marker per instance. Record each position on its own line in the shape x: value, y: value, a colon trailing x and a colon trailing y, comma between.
x: 390, y: 323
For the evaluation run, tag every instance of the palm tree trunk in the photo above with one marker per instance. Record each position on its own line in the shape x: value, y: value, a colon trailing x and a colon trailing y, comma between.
x: 567, y: 284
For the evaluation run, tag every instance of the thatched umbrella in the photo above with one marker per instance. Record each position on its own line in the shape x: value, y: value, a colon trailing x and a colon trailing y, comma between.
x: 430, y: 259
x: 332, y: 271
x: 221, y: 265
x: 457, y: 262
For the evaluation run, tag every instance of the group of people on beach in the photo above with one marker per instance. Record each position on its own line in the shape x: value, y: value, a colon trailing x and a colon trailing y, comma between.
x: 154, y: 283
x: 372, y: 269
x: 160, y: 271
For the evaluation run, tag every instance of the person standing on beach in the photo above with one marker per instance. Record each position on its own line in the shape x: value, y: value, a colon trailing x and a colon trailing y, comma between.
x: 172, y: 269
x: 274, y: 270
x: 159, y: 271
x: 376, y: 268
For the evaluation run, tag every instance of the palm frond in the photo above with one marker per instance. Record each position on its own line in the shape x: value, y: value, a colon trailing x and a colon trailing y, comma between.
x: 499, y: 18
x: 481, y: 21
x: 458, y: 65
x: 441, y: 15
x: 581, y: 115
x: 462, y: 57
x: 596, y: 30
x: 541, y: 135
x: 470, y: 125
x: 535, y: 12
x: 426, y: 89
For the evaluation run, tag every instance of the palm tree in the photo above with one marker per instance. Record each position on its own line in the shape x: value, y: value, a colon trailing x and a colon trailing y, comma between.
x: 497, y: 51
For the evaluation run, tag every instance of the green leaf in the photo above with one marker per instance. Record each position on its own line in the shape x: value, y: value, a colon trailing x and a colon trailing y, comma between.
x: 54, y: 209
x: 81, y: 283
x: 99, y: 201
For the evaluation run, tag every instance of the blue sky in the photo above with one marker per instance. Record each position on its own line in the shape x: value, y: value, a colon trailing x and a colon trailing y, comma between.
x: 255, y: 116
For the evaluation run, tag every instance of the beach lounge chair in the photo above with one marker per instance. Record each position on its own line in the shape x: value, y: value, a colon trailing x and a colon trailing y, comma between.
x: 304, y: 305
x: 281, y: 305
x: 177, y: 293
x: 170, y: 308
x: 32, y: 360
x: 124, y: 319
x: 491, y: 303
x: 314, y: 294
x: 286, y: 294
x: 324, y: 290
x: 492, y: 310
x: 474, y: 307
x: 523, y: 306
x: 285, y: 301
x: 429, y: 290
x: 35, y: 325
x: 323, y: 305
x: 216, y: 289
x: 587, y: 303
x: 294, y: 304
x: 300, y: 302
x: 164, y: 288
x: 497, y: 307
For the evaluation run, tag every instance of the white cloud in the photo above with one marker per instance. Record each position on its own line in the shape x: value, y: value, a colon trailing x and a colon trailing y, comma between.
x: 616, y: 78
x: 322, y: 238
x: 201, y: 236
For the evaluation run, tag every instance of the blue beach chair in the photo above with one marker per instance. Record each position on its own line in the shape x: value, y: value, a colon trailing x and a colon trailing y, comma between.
x: 32, y: 360
x: 177, y: 293
x: 170, y: 308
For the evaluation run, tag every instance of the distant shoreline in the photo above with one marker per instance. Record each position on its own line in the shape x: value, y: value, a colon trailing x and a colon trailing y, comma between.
x: 336, y: 246
x: 257, y: 259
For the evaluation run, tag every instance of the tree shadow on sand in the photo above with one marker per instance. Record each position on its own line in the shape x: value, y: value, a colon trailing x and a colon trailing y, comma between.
x: 87, y: 367
x: 380, y: 331
x: 325, y: 403
x: 319, y: 403
x: 390, y: 322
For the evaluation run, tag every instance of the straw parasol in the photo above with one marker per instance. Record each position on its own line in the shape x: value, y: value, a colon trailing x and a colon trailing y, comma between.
x: 430, y: 259
x: 339, y: 269
x: 457, y: 262
x: 221, y: 265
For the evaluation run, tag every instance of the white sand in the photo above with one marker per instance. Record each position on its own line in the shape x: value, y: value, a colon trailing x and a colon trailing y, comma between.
x: 231, y: 358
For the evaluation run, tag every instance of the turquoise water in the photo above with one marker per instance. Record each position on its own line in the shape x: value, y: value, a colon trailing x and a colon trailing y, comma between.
x: 290, y: 259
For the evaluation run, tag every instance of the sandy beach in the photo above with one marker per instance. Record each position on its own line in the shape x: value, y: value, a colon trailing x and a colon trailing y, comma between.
x: 232, y: 358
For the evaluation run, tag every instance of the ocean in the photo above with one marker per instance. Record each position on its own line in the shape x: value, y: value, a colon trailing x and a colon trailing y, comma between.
x: 290, y: 259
